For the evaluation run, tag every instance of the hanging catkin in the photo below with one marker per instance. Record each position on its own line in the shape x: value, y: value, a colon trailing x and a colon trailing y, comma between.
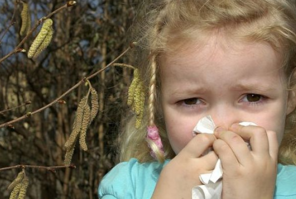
x: 15, y: 192
x: 136, y: 97
x: 23, y: 188
x: 19, y: 186
x: 42, y: 40
x: 69, y: 154
x: 16, y: 181
x: 26, y: 19
x: 94, y: 104
x: 85, y: 123
x: 84, y: 116
x: 132, y: 88
x: 77, y: 122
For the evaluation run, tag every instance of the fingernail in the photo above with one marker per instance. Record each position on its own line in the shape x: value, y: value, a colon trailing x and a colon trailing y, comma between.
x: 235, y: 126
x: 218, y: 130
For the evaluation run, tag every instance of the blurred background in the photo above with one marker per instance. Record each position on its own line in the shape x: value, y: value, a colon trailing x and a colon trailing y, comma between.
x: 86, y: 38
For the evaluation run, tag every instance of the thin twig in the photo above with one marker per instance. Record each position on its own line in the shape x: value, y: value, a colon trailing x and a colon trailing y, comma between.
x: 17, y: 49
x: 5, y: 31
x: 111, y: 63
x: 52, y: 168
x: 13, y: 108
x: 67, y: 92
x: 11, y: 23
x: 124, y: 65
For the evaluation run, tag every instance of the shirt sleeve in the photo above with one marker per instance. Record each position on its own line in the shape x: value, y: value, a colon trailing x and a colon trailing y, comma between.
x: 286, y: 182
x: 118, y: 182
x: 130, y: 180
x: 107, y: 197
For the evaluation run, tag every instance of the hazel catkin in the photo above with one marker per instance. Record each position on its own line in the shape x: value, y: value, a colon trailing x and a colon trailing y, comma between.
x: 26, y: 19
x: 77, y: 122
x: 132, y: 88
x: 94, y: 104
x: 42, y: 40
x: 85, y: 123
x: 136, y: 97
x: 16, y: 181
x: 15, y: 192
x: 84, y: 116
x: 69, y: 154
x: 23, y: 188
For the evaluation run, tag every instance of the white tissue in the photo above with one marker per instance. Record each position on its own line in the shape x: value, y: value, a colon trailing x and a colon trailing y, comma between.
x: 205, y: 125
x: 212, y: 182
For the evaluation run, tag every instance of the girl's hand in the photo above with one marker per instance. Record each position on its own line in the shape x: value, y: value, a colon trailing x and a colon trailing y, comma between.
x: 181, y: 174
x: 247, y: 174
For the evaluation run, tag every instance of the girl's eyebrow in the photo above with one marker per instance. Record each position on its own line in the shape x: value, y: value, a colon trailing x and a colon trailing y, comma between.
x: 253, y: 87
x: 196, y: 90
x: 246, y: 87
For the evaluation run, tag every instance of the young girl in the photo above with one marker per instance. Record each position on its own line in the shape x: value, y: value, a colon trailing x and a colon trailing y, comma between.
x: 233, y: 60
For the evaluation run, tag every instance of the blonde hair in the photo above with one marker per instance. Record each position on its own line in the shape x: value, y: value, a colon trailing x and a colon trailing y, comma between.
x: 166, y: 25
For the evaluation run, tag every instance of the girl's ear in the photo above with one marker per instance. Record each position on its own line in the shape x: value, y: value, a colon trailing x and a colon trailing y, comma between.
x: 291, y: 104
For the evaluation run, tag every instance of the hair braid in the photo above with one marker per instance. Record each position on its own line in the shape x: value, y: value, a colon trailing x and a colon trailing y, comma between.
x: 152, y: 86
x: 159, y: 23
x: 153, y: 137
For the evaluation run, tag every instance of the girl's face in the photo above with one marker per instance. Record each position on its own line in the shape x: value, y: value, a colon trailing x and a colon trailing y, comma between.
x: 231, y: 81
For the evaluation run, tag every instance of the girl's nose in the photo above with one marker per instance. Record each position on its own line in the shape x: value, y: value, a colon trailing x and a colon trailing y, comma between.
x: 225, y: 116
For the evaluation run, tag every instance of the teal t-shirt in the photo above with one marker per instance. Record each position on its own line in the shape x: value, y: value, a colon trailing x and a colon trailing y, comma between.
x: 134, y: 180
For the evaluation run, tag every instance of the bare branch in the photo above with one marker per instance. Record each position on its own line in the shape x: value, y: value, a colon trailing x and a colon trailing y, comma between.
x: 10, y: 109
x: 11, y: 23
x: 18, y: 47
x: 52, y: 168
x: 66, y: 93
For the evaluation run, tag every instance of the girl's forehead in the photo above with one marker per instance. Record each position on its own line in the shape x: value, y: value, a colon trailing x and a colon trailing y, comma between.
x: 219, y: 50
x: 242, y: 63
x: 258, y: 30
x: 202, y: 38
x: 212, y: 43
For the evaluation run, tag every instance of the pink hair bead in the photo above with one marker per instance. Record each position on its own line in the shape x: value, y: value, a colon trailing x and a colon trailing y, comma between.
x: 153, y: 134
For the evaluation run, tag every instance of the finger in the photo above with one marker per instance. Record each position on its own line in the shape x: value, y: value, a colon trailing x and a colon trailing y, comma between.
x: 256, y: 135
x: 273, y: 144
x: 198, y: 145
x: 236, y: 144
x: 208, y: 161
x: 226, y: 155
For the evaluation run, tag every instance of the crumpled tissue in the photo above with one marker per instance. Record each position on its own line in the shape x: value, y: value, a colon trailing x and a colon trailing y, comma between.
x: 212, y: 182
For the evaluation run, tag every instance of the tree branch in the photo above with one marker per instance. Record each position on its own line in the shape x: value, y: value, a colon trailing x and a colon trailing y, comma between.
x: 52, y: 168
x: 18, y: 48
x: 67, y: 92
